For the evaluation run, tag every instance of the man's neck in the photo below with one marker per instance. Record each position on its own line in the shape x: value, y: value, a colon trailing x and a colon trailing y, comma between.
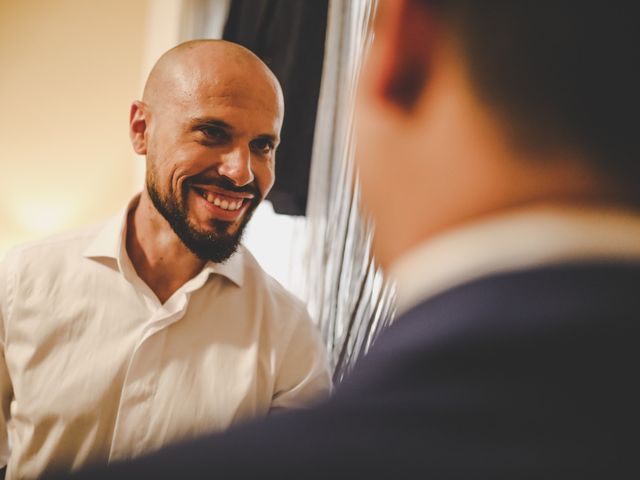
x: 158, y: 256
x: 518, y: 239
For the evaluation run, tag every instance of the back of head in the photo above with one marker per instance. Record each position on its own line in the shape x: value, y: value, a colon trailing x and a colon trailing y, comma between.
x: 561, y: 74
x: 471, y: 108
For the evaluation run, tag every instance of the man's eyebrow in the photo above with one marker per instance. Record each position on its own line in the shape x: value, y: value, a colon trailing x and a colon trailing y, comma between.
x: 215, y: 122
x: 212, y: 122
x: 275, y: 139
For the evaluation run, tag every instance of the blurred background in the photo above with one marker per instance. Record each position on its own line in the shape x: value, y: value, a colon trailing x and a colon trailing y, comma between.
x: 70, y: 70
x: 66, y: 84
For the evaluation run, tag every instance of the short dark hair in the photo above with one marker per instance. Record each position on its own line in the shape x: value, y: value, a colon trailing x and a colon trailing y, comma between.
x: 561, y: 73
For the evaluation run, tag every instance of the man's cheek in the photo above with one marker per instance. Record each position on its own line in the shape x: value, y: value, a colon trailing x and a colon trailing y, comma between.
x: 265, y: 184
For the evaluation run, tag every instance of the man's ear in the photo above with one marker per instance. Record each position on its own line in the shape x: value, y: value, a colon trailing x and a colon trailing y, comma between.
x: 407, y: 32
x: 138, y: 127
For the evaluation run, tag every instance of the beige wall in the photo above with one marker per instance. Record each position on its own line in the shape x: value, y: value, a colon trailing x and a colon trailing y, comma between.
x: 68, y: 72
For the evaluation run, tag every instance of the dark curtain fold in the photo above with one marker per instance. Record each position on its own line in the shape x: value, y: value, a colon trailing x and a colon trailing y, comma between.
x: 289, y: 36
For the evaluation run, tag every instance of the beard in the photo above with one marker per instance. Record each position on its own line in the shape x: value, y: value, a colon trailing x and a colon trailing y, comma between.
x: 215, y: 245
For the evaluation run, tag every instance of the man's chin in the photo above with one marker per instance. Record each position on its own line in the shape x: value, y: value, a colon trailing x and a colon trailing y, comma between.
x: 218, y: 229
x: 217, y: 248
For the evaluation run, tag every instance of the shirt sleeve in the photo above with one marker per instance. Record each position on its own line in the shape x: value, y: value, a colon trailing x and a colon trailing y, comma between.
x: 304, y: 376
x: 6, y: 389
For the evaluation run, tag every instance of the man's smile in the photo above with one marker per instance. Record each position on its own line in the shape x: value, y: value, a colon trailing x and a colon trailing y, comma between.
x: 221, y: 203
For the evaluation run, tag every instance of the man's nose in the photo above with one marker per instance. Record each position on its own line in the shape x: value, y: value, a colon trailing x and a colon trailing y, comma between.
x: 236, y: 166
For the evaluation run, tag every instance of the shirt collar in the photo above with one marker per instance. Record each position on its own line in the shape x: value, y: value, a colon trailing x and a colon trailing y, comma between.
x: 111, y: 237
x: 111, y: 240
x: 232, y: 268
x: 514, y: 241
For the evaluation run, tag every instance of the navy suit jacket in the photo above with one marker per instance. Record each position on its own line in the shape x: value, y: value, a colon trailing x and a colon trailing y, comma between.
x: 530, y: 374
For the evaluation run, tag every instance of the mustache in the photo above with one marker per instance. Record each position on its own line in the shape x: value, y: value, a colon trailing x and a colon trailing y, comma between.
x: 223, y: 183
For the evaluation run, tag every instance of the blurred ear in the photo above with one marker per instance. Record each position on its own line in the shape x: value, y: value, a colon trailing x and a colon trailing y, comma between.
x: 138, y: 127
x: 407, y: 32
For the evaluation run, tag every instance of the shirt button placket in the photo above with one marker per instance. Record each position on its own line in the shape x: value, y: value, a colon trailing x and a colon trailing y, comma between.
x: 135, y: 416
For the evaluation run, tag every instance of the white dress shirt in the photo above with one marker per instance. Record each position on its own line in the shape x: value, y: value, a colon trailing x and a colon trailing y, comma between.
x: 94, y: 368
x: 516, y: 240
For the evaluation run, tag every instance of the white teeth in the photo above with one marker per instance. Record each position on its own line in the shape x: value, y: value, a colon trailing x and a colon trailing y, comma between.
x: 233, y: 205
x: 224, y: 204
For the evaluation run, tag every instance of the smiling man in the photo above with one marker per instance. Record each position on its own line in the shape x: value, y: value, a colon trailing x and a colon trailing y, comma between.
x: 159, y: 325
x: 498, y: 151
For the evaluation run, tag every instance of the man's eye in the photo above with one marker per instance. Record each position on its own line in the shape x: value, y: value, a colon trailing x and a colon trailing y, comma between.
x: 262, y: 145
x: 214, y: 133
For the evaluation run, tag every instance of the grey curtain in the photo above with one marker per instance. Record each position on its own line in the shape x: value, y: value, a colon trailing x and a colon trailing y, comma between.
x: 346, y: 293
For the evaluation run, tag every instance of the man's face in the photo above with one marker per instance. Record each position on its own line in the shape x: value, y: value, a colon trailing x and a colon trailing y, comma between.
x: 210, y: 158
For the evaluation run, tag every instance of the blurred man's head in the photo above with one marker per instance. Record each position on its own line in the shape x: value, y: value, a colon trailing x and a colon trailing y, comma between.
x: 467, y: 108
x: 209, y: 125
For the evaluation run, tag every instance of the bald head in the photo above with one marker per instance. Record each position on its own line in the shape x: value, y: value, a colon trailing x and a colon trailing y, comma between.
x: 209, y: 126
x: 217, y: 66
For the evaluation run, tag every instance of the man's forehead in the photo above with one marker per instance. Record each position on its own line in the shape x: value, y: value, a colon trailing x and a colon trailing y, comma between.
x: 201, y: 88
x: 238, y: 108
x: 237, y: 93
x: 213, y: 73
